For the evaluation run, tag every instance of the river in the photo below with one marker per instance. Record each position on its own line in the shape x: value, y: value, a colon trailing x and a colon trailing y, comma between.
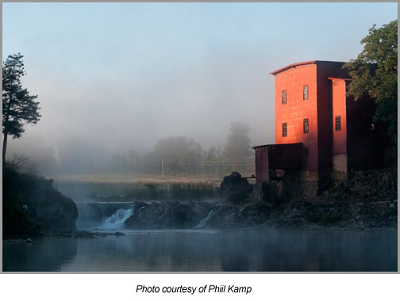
x: 209, y: 250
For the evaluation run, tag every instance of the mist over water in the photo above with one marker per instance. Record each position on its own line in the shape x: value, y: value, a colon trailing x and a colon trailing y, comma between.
x: 211, y: 251
x: 199, y: 248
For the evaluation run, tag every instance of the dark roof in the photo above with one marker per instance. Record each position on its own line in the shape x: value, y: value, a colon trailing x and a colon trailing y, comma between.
x: 300, y: 64
x: 292, y: 66
x: 274, y: 145
x: 339, y: 78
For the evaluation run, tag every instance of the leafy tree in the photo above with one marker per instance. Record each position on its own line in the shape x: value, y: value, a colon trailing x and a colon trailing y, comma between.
x: 375, y: 74
x: 126, y: 162
x: 213, y: 160
x: 19, y: 107
x: 213, y: 155
x: 119, y: 162
x: 178, y: 154
x: 238, y: 146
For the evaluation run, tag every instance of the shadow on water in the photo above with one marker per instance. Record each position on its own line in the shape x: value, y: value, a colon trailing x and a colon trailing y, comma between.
x: 43, y: 255
x: 153, y: 251
x: 312, y: 250
x: 211, y: 251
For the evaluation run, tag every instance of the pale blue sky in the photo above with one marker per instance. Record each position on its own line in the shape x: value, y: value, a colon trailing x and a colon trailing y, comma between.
x: 120, y: 76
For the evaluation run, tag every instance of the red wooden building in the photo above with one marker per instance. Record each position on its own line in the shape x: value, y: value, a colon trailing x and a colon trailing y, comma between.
x: 317, y: 127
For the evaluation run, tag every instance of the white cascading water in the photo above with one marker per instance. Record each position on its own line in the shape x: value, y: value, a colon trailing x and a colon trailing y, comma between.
x: 116, y: 220
x: 204, y: 221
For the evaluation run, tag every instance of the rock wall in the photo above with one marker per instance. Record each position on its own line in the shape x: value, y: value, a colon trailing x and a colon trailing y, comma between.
x: 336, y: 215
x: 188, y: 215
x: 361, y: 200
x: 166, y: 214
x: 31, y: 201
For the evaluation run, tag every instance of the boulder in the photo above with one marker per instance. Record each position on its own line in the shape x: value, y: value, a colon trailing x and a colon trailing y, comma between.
x: 235, y: 189
x: 232, y: 215
x: 39, y: 205
x: 57, y: 212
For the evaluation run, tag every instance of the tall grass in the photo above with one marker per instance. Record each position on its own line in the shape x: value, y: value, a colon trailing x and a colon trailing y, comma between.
x: 193, y: 191
x: 170, y: 191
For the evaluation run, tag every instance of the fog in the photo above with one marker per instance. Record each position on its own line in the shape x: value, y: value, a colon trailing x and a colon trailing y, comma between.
x: 116, y: 78
x: 211, y: 251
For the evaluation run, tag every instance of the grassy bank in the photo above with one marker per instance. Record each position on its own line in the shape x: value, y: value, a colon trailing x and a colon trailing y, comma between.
x: 151, y: 189
x: 171, y: 191
x: 133, y: 178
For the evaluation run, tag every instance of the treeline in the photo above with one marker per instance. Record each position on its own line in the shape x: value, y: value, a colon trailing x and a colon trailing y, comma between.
x: 182, y: 156
x: 185, y: 157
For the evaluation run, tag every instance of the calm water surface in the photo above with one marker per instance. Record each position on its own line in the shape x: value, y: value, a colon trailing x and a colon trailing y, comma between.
x: 209, y: 251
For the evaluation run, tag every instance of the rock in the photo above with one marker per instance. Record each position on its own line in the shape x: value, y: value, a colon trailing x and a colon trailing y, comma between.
x: 48, y: 207
x: 32, y: 205
x: 57, y: 212
x: 235, y: 189
x: 255, y: 213
x: 117, y: 233
x: 360, y: 225
x: 168, y: 215
x: 236, y: 215
x: 226, y: 215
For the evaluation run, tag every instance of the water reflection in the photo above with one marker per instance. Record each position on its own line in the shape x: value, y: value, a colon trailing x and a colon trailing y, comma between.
x: 154, y: 251
x: 44, y: 255
x: 210, y: 251
x: 296, y: 250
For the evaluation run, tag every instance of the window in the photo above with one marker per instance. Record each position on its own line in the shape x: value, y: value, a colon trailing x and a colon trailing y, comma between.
x: 284, y: 129
x: 305, y: 126
x: 338, y: 123
x: 305, y: 92
x: 284, y: 99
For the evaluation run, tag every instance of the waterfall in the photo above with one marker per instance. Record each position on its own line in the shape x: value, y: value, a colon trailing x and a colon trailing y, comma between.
x: 110, y: 215
x: 149, y: 215
x: 116, y: 220
x: 204, y: 221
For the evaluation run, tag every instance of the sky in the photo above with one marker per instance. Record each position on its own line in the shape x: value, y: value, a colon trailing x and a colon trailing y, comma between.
x: 116, y: 77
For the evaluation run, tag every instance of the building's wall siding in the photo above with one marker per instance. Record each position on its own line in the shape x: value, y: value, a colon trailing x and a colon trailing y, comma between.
x: 262, y: 164
x: 285, y: 156
x: 296, y: 109
x: 339, y: 151
x: 276, y: 156
x: 325, y: 116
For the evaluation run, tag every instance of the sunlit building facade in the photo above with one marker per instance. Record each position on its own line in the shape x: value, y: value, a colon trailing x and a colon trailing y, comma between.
x: 318, y: 128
